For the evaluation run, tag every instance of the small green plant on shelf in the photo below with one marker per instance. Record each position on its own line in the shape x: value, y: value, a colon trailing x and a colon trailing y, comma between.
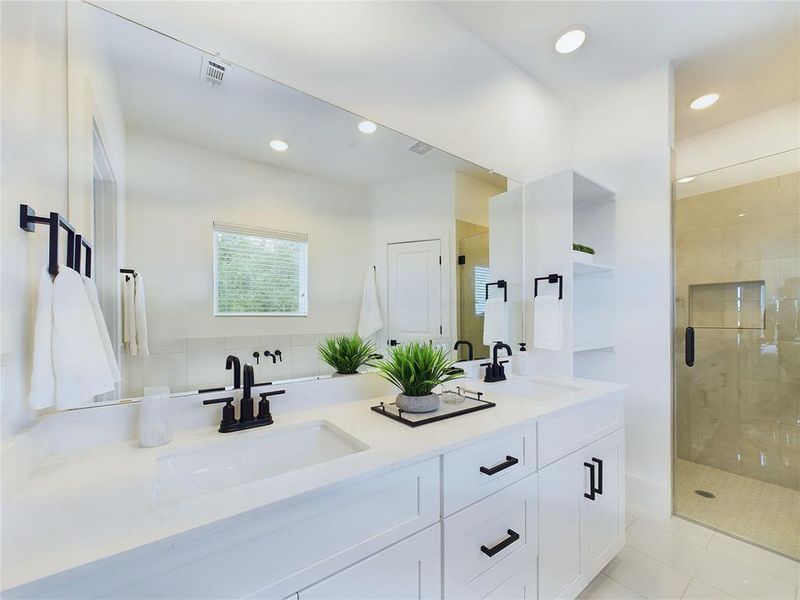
x: 582, y: 248
x: 346, y: 353
x: 416, y: 368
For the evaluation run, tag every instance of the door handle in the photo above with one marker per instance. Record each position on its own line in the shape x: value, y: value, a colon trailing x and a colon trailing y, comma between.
x: 509, y: 462
x: 689, y: 347
x: 513, y: 536
x: 599, y: 462
x: 591, y: 494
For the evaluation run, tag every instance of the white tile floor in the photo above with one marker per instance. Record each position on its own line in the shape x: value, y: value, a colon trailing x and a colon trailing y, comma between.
x: 672, y: 558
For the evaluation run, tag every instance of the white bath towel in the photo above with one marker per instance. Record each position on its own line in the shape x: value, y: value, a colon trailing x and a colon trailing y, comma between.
x: 43, y: 382
x: 141, y: 315
x: 129, y: 316
x: 102, y: 328
x: 369, y: 320
x: 548, y: 323
x: 495, y: 322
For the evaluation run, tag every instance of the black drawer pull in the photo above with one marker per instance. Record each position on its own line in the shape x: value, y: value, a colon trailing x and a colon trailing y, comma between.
x: 513, y: 536
x: 599, y: 488
x: 590, y: 495
x: 509, y: 462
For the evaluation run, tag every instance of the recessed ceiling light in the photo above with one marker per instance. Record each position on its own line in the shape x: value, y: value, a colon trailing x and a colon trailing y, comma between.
x: 704, y: 101
x: 367, y: 127
x: 686, y: 179
x: 571, y: 40
x: 279, y: 145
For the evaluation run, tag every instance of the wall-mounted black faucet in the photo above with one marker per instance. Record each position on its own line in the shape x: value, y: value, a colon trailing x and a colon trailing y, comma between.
x: 279, y: 355
x: 268, y: 354
x: 247, y: 420
x: 232, y: 362
x: 495, y: 370
x: 257, y: 356
x: 469, y: 348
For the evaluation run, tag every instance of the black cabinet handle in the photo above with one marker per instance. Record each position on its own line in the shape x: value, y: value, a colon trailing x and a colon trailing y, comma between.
x: 599, y: 488
x: 689, y: 349
x: 590, y: 495
x: 513, y: 536
x: 509, y: 462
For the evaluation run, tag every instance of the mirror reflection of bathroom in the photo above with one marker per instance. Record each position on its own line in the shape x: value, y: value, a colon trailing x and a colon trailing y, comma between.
x: 292, y: 213
x: 737, y: 320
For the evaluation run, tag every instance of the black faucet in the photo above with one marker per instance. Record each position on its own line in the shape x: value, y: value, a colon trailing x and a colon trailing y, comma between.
x: 232, y: 362
x: 495, y: 370
x: 247, y: 420
x: 268, y: 354
x: 469, y: 347
x: 246, y: 403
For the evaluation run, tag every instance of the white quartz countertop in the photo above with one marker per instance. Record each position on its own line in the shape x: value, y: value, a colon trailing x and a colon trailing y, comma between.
x: 79, y: 508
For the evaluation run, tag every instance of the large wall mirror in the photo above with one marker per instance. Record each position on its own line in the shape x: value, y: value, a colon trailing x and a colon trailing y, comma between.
x: 232, y: 215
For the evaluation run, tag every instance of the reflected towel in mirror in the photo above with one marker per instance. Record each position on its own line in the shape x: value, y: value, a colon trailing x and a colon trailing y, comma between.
x: 495, y: 322
x: 370, y: 320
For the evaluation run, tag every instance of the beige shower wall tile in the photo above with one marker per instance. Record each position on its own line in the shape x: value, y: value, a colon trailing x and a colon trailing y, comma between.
x: 789, y: 360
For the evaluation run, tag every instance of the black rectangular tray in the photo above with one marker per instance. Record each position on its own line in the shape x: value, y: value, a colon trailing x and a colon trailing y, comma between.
x: 445, y: 411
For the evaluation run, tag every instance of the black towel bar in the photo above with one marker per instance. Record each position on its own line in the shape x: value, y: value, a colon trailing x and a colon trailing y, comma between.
x: 552, y: 278
x: 75, y: 241
x: 501, y: 285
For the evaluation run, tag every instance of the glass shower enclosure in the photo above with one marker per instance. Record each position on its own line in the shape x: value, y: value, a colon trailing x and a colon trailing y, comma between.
x: 737, y: 351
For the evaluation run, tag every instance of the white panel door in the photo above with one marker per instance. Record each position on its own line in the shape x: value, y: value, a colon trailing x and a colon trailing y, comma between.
x: 414, y: 294
x: 409, y: 570
x: 560, y: 495
x: 603, y: 514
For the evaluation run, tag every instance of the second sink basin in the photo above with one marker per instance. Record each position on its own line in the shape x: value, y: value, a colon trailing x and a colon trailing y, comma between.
x: 226, y: 464
x: 528, y: 388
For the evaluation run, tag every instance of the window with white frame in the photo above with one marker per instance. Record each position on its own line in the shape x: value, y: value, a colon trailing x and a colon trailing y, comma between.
x: 259, y: 271
x: 481, y: 279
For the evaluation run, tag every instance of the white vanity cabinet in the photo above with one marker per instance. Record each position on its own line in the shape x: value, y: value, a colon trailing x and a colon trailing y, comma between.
x: 581, y: 512
x: 409, y: 570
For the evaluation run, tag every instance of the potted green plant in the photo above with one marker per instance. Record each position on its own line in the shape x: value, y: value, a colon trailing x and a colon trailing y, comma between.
x: 583, y: 254
x: 345, y: 353
x: 416, y: 368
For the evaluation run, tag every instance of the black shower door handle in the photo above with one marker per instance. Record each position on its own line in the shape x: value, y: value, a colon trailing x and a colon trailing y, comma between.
x: 689, y: 350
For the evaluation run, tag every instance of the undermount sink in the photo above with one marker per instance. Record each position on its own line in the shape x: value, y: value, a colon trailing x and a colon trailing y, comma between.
x: 528, y: 388
x: 256, y: 456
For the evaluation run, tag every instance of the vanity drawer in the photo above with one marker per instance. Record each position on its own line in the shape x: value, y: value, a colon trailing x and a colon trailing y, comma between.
x: 573, y: 429
x: 503, y: 525
x: 264, y: 553
x: 477, y: 470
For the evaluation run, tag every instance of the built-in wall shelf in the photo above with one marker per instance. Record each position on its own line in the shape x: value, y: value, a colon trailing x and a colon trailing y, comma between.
x: 582, y: 269
x: 600, y: 347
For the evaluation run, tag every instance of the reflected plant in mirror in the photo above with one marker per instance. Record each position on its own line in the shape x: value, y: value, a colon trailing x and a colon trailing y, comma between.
x: 346, y: 353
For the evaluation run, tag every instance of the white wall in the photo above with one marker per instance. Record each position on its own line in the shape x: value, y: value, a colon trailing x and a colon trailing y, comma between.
x: 408, y: 65
x: 175, y: 193
x: 34, y: 171
x: 622, y: 140
x: 763, y: 134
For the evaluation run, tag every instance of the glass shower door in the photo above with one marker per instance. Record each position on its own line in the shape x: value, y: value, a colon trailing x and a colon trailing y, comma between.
x: 737, y: 359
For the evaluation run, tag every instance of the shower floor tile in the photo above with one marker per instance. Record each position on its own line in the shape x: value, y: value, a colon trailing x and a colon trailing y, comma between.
x: 763, y: 513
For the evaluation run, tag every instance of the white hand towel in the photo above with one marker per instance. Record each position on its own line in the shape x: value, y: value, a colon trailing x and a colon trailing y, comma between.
x: 102, y: 328
x: 369, y: 320
x: 43, y: 382
x: 548, y: 323
x: 129, y: 316
x: 140, y: 315
x: 79, y: 361
x: 495, y: 322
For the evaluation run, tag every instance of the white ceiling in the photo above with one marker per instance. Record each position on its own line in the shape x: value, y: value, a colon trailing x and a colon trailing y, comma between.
x: 749, y: 52
x: 161, y: 92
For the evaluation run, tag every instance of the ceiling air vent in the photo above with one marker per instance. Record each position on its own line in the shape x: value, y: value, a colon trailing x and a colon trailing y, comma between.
x: 213, y: 70
x: 420, y: 148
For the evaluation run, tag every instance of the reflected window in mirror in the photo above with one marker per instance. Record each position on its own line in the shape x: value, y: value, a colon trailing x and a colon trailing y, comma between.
x: 259, y: 272
x: 481, y: 279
